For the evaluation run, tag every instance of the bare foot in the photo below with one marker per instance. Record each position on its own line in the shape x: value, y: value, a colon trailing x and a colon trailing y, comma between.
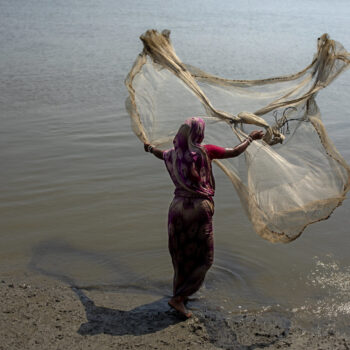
x: 178, y: 304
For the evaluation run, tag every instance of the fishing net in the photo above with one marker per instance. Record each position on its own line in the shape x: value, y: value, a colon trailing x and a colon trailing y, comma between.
x: 291, y: 178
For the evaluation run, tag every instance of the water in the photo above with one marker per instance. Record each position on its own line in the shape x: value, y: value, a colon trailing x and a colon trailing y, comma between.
x: 79, y: 198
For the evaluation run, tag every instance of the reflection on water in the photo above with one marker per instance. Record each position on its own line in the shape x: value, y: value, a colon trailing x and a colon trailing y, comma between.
x: 82, y: 202
x: 328, y: 302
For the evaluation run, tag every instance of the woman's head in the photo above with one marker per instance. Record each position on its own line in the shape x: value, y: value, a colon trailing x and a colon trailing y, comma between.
x: 197, y: 127
x: 188, y: 163
x: 190, y: 133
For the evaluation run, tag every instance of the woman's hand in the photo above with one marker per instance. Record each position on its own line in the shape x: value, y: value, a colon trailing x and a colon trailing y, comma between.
x: 147, y: 147
x: 256, y: 135
x: 155, y: 151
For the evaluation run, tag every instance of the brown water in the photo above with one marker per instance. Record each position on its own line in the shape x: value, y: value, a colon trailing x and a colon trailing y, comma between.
x: 79, y: 198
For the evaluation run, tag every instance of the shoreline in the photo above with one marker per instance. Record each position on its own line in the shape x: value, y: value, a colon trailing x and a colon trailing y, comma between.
x: 38, y: 312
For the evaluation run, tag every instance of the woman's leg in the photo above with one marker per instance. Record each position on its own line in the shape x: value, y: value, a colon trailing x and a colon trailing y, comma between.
x: 190, y: 245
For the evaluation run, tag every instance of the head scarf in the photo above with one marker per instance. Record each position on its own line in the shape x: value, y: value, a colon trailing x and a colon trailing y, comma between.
x: 187, y: 163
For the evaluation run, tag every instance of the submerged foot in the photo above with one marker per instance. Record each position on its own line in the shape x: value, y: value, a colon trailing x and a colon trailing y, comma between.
x: 178, y: 304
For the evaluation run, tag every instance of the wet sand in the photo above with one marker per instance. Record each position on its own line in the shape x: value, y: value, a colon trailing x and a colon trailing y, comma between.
x: 38, y: 312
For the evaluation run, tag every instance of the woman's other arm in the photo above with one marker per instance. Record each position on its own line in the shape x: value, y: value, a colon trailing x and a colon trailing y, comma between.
x: 156, y: 151
x: 216, y: 152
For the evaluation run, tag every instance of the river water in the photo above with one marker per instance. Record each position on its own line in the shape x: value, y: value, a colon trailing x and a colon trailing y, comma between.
x: 79, y: 198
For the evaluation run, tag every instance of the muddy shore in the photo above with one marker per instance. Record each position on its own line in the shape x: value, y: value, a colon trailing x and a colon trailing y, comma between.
x: 38, y: 312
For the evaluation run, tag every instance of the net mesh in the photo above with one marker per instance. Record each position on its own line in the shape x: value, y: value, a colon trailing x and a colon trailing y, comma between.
x: 291, y: 178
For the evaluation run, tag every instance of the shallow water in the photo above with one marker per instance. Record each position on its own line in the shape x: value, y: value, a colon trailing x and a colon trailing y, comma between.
x: 79, y: 198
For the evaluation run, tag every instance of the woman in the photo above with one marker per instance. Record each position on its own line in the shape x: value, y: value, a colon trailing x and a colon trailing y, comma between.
x: 190, y: 225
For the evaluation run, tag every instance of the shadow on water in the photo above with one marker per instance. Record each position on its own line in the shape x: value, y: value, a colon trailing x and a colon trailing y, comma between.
x: 54, y: 259
x: 61, y: 261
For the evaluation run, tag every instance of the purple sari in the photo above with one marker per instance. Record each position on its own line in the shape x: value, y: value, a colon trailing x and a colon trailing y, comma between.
x: 190, y: 226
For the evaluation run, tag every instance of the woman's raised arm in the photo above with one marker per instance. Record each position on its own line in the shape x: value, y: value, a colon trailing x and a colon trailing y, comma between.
x: 216, y: 152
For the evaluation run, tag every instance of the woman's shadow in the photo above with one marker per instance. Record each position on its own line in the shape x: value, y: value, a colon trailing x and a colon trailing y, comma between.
x: 144, y: 319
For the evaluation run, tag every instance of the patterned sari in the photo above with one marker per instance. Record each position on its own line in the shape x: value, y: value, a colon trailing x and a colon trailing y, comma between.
x: 190, y: 226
